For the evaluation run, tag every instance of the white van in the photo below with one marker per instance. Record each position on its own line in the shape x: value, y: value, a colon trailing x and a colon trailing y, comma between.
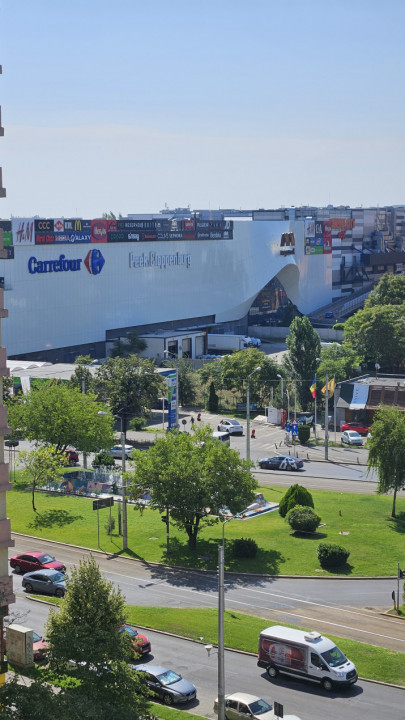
x: 306, y: 655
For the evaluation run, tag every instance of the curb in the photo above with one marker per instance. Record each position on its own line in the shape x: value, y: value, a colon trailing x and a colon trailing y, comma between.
x: 201, y: 570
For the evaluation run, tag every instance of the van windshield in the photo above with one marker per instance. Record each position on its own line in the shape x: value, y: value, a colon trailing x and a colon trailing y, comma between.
x: 334, y: 657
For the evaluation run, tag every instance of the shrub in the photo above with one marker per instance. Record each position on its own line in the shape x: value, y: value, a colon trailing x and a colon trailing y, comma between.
x: 304, y: 432
x: 303, y: 519
x: 110, y: 526
x: 332, y: 556
x: 295, y: 495
x: 244, y: 548
x: 137, y: 423
x: 103, y: 459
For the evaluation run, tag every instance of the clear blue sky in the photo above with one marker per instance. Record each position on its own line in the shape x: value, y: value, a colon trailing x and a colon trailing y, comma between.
x: 131, y: 104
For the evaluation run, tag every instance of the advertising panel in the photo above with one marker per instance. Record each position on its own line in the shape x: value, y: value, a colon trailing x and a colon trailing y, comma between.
x: 318, y: 227
x: 99, y: 231
x: 5, y: 225
x: 72, y: 237
x: 171, y: 377
x: 124, y: 236
x: 23, y: 230
x: 44, y: 226
x: 44, y: 238
x: 309, y: 227
x: 327, y: 244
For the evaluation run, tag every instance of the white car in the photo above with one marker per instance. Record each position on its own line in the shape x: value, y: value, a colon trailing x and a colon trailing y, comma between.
x: 116, y: 451
x: 242, y: 706
x: 233, y: 427
x: 351, y: 437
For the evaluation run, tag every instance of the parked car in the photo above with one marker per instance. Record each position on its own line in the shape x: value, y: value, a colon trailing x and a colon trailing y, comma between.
x: 46, y: 582
x: 240, y: 706
x: 116, y: 451
x: 140, y: 643
x: 166, y: 684
x: 72, y: 457
x: 281, y: 462
x: 160, y: 402
x: 351, y: 438
x: 305, y: 420
x: 233, y: 427
x: 28, y: 562
x: 358, y: 427
x: 40, y: 646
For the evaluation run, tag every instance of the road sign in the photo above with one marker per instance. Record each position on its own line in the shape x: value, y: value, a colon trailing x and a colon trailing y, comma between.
x: 288, y: 426
x: 294, y: 429
x: 278, y: 709
x: 103, y: 503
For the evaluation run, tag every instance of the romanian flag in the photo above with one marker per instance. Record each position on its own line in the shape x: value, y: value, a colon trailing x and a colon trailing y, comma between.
x: 331, y: 387
x: 313, y: 388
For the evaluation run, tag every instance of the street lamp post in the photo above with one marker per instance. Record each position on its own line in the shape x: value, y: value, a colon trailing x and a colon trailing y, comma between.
x: 326, y: 417
x: 248, y: 412
x: 124, y: 487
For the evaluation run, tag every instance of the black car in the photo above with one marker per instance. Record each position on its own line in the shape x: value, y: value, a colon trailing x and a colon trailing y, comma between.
x: 166, y: 685
x: 281, y: 462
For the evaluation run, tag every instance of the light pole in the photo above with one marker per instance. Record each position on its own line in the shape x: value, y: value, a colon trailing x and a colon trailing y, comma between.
x: 124, y: 487
x: 168, y: 353
x: 318, y: 360
x: 326, y: 416
x: 248, y: 412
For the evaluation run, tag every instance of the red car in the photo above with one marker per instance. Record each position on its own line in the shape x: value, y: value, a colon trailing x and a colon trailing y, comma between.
x: 29, y: 562
x: 356, y: 426
x: 140, y: 643
x: 72, y: 457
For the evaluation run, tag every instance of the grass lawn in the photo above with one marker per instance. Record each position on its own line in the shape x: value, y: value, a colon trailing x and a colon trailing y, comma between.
x: 369, y: 532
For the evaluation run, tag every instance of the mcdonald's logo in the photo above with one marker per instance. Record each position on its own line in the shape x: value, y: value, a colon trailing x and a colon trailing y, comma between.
x: 78, y: 226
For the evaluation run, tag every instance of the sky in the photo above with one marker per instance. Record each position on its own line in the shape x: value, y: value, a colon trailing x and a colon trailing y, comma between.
x: 134, y: 105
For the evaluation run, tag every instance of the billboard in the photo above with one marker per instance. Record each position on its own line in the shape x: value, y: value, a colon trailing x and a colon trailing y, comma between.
x: 23, y: 230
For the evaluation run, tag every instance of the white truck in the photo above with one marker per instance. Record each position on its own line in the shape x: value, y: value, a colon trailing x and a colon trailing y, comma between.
x: 221, y: 343
x: 306, y: 655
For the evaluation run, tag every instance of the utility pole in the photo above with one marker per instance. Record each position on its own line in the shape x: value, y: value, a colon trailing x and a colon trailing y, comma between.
x: 248, y: 412
x: 326, y: 416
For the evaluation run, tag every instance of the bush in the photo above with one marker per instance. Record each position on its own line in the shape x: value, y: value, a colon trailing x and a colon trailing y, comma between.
x: 103, y: 459
x: 137, y: 423
x: 244, y: 548
x: 304, y: 432
x: 332, y: 556
x: 295, y: 495
x: 303, y: 519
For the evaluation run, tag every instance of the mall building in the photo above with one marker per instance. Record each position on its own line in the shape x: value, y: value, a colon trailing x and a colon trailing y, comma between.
x: 74, y: 286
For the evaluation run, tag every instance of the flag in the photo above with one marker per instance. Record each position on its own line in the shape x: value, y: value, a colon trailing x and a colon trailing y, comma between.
x: 313, y: 388
x: 331, y: 387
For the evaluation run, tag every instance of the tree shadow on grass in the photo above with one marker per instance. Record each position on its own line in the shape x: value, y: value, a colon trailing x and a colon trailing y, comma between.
x: 301, y: 535
x: 51, y: 518
x: 397, y: 523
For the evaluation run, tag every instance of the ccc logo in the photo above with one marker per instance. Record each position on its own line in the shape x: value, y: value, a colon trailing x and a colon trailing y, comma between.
x: 44, y: 225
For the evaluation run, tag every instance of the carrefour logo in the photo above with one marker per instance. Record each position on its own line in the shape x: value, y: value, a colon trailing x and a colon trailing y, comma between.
x: 94, y: 263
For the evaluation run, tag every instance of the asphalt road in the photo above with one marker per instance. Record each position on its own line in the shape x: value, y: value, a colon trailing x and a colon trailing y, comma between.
x: 348, y: 608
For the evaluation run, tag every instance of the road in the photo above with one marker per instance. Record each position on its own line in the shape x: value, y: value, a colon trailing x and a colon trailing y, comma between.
x: 348, y: 608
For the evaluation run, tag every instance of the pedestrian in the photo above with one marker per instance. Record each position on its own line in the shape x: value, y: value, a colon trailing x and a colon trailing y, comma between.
x: 192, y: 422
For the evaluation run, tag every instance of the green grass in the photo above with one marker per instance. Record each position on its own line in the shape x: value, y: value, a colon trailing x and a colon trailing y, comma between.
x: 366, y: 519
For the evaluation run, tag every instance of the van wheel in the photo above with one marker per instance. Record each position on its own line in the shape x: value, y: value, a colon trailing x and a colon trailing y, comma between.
x: 272, y: 671
x: 327, y: 684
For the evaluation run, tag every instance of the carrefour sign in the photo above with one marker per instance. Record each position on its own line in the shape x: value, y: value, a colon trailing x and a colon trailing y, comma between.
x: 93, y: 262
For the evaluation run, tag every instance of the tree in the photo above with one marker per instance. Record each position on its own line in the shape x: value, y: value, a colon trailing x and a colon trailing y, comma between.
x: 378, y: 334
x: 387, y: 450
x: 42, y: 465
x: 213, y: 399
x: 82, y: 378
x: 131, y: 345
x: 189, y: 474
x: 130, y: 386
x: 85, y: 632
x: 187, y: 379
x: 232, y: 371
x: 57, y: 414
x: 304, y: 347
x: 389, y: 291
x: 295, y: 495
x: 340, y: 361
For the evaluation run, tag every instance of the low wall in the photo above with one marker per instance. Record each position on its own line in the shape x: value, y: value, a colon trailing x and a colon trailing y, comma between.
x: 274, y: 332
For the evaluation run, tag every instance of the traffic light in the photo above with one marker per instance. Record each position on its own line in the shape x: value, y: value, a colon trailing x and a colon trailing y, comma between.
x: 165, y: 518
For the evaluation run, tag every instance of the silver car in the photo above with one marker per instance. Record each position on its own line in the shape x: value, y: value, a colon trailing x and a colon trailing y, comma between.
x: 116, y: 451
x: 46, y: 582
x: 351, y: 437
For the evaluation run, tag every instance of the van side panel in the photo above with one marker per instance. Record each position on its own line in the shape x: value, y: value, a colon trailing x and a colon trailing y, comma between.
x: 283, y: 654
